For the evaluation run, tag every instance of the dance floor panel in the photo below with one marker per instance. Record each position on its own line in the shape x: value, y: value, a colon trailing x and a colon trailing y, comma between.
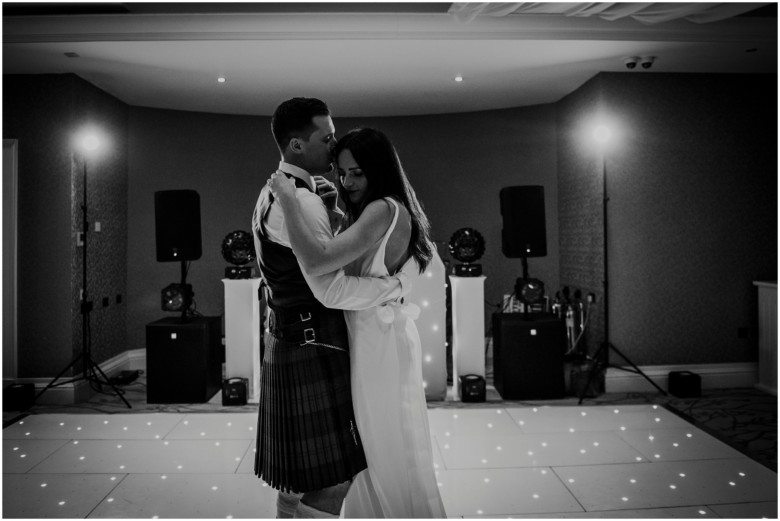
x: 633, y: 461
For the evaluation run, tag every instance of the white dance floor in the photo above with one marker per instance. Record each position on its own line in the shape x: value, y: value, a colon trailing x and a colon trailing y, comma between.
x: 632, y: 461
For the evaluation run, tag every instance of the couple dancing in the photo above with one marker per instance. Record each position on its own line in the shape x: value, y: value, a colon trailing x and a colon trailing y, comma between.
x: 342, y: 407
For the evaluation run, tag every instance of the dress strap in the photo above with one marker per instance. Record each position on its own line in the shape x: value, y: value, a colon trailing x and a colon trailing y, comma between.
x: 379, y: 257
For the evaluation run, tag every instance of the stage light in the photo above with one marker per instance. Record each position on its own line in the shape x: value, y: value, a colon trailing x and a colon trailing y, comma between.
x: 467, y: 246
x: 238, y: 249
x: 175, y: 295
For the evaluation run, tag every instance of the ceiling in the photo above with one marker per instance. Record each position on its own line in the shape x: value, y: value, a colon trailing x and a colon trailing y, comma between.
x: 366, y: 59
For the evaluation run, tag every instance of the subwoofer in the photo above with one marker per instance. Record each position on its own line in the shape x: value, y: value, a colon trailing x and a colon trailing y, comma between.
x: 528, y: 356
x: 524, y: 233
x: 183, y: 360
x: 177, y: 225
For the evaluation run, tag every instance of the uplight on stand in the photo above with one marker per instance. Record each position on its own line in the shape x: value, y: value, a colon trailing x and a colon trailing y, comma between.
x: 602, y: 135
x: 92, y: 373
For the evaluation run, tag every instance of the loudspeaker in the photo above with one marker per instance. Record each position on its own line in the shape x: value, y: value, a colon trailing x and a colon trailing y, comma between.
x: 524, y: 233
x: 183, y: 360
x: 528, y: 356
x: 177, y: 225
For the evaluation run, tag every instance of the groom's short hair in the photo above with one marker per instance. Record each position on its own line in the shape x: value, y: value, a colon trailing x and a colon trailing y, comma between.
x: 293, y: 118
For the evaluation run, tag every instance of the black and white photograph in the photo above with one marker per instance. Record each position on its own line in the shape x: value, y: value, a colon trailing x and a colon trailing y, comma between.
x: 398, y: 260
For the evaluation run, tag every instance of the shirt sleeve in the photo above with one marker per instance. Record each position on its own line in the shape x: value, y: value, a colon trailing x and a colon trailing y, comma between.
x: 338, y: 290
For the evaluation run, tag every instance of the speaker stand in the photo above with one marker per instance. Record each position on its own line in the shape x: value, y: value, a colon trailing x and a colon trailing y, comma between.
x: 185, y: 296
x: 603, y: 351
x: 518, y: 285
x: 598, y: 365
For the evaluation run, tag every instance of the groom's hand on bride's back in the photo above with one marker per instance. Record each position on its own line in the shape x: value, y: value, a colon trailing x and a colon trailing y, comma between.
x: 327, y: 192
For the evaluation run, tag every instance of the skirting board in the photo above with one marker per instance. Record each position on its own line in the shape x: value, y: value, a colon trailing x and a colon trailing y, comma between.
x: 713, y: 376
x: 79, y: 391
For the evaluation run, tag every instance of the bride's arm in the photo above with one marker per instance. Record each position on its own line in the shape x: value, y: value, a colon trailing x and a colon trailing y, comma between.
x: 319, y: 254
x: 339, y: 291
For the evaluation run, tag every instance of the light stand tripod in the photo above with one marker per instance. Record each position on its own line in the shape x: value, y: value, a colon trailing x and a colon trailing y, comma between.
x: 92, y: 372
x: 601, y: 357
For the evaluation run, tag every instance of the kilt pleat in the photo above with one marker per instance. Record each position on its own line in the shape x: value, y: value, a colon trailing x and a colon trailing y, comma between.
x: 306, y: 437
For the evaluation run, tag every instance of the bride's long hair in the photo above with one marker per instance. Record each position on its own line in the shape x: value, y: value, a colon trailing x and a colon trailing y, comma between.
x: 385, y: 176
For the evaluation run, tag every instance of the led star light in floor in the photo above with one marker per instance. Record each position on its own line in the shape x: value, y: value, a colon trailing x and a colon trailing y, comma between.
x: 553, y: 461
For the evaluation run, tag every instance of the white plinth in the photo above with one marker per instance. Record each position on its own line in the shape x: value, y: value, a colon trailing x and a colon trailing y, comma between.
x: 242, y: 333
x: 767, y: 336
x: 468, y: 328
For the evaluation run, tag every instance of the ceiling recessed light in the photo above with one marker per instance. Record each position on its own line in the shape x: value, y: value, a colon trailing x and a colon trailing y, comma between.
x: 459, y: 78
x: 221, y: 79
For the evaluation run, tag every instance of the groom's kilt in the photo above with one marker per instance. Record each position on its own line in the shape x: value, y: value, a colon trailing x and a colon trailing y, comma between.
x: 307, y: 438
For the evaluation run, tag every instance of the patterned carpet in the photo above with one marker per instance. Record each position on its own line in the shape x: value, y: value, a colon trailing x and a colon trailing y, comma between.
x: 745, y: 418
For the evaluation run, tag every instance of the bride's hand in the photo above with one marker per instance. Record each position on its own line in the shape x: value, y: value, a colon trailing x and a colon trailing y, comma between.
x: 282, y: 187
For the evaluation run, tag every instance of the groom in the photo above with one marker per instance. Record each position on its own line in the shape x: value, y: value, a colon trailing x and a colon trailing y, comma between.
x: 308, y: 447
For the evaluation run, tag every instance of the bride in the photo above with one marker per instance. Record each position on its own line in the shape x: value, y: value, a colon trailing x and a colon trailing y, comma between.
x: 386, y: 232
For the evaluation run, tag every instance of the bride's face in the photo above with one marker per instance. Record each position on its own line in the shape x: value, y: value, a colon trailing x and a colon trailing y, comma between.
x: 351, y: 177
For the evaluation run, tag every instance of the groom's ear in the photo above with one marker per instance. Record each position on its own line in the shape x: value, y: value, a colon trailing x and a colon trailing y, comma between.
x: 295, y: 145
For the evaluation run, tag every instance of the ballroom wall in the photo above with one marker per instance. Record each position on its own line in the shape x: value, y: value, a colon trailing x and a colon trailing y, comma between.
x: 692, y: 222
x: 457, y: 164
x: 693, y: 205
x: 45, y: 112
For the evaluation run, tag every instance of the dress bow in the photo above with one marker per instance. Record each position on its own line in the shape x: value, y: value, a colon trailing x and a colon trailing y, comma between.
x: 386, y: 312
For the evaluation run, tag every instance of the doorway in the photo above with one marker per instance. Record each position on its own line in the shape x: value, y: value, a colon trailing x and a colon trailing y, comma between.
x: 10, y: 188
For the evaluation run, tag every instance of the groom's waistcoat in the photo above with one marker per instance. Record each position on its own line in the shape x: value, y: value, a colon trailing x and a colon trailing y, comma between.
x: 288, y: 289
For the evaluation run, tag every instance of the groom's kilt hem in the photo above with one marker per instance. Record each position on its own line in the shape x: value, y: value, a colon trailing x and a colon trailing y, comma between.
x: 307, y: 438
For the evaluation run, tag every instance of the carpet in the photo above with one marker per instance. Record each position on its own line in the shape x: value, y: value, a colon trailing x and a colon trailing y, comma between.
x: 746, y: 419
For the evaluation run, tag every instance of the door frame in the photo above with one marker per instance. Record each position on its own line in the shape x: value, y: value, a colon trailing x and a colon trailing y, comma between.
x: 10, y: 245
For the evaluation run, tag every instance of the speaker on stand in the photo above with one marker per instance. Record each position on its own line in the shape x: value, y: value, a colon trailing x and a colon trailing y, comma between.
x: 524, y: 231
x: 183, y: 355
x: 177, y: 232
x: 524, y: 235
x: 528, y: 347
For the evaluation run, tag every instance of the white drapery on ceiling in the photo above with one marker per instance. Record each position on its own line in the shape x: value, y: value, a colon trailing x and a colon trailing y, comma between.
x: 647, y: 13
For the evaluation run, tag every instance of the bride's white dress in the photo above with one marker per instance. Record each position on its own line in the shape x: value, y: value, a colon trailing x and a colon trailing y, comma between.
x: 389, y: 402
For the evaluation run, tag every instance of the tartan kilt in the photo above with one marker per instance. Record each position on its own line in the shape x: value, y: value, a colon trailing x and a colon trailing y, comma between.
x: 307, y: 438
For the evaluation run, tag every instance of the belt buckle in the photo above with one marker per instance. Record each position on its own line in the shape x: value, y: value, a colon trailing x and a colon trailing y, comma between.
x: 307, y: 317
x: 308, y: 336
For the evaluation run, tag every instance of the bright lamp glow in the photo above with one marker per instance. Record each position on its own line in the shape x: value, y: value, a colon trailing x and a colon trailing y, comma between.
x: 602, y: 134
x: 90, y: 143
